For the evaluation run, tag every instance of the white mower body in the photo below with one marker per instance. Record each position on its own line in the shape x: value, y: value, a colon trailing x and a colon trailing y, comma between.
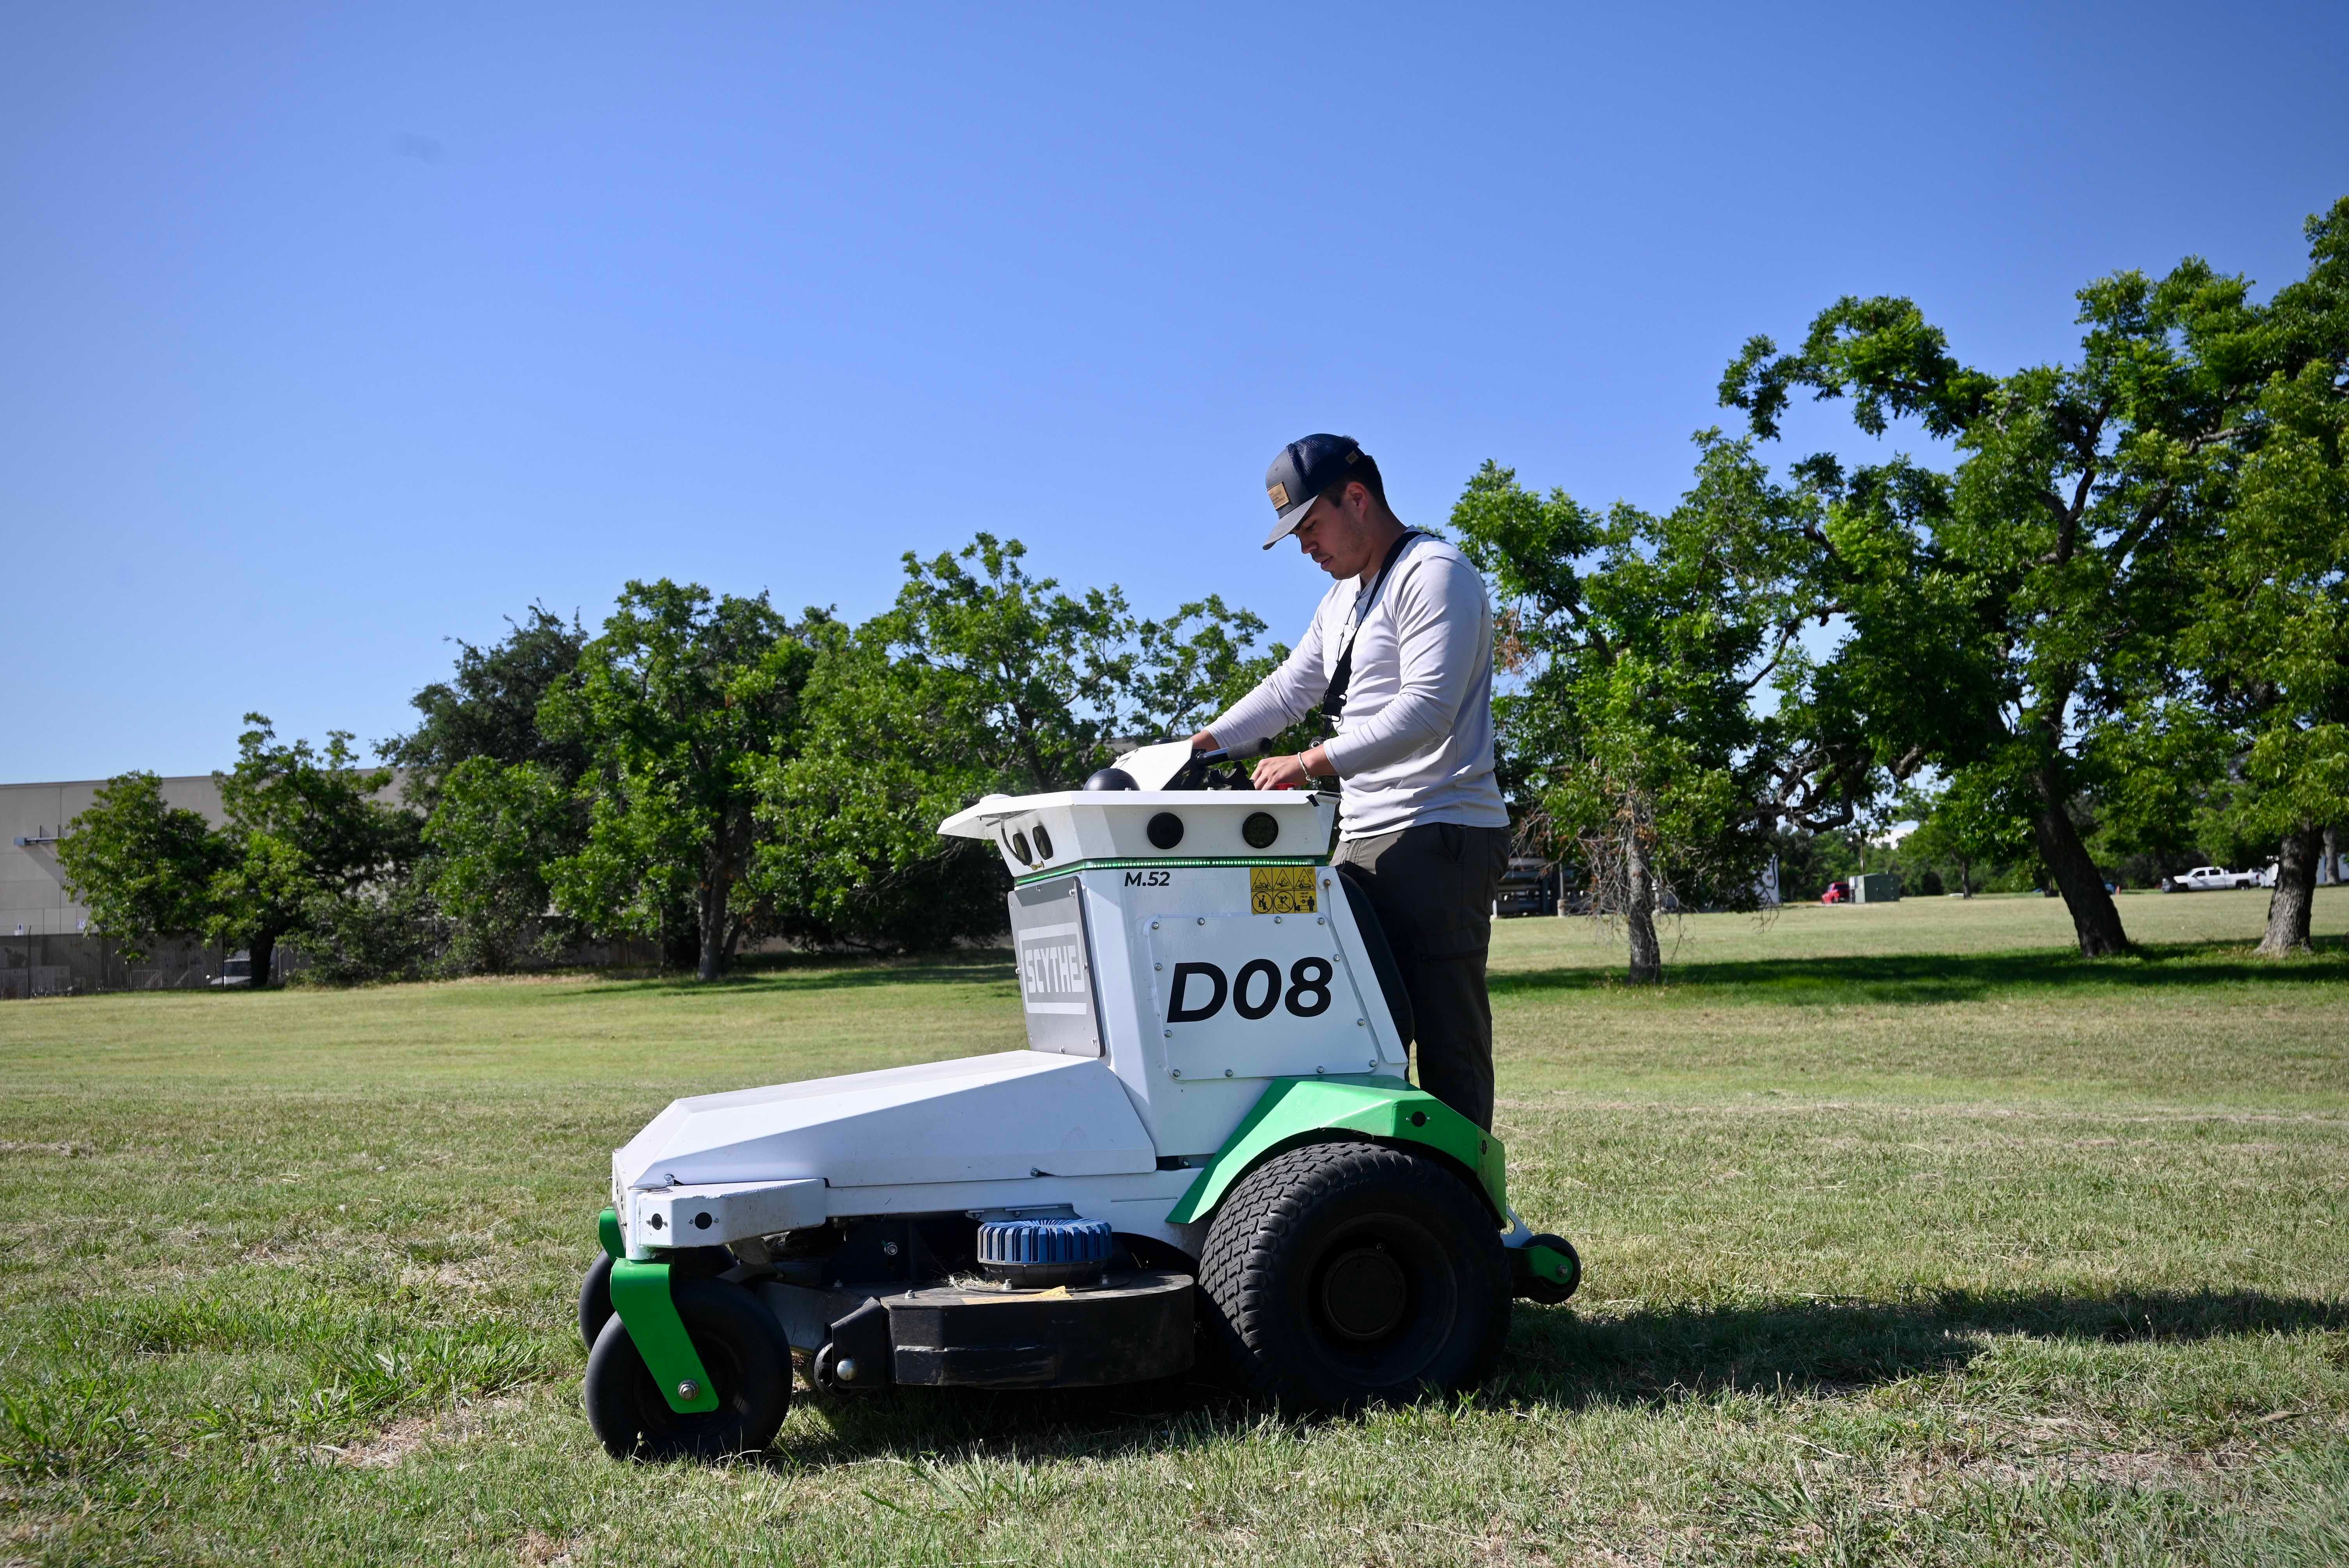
x: 1176, y: 949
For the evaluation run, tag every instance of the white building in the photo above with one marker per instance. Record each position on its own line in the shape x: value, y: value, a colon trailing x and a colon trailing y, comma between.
x: 33, y: 897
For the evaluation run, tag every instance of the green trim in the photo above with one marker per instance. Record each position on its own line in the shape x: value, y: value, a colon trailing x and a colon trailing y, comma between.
x: 1309, y: 1110
x: 1163, y: 863
x: 607, y: 1231
x: 640, y: 1295
x: 1548, y: 1263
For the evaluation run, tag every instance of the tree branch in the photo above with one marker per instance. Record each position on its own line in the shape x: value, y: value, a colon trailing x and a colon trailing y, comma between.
x: 1786, y: 639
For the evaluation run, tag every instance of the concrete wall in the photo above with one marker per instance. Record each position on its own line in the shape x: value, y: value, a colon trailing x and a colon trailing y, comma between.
x: 33, y: 897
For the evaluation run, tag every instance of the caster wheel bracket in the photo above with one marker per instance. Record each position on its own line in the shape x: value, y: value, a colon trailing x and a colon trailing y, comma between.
x: 640, y: 1295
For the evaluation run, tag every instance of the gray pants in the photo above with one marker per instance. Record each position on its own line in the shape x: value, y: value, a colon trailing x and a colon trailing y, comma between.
x: 1433, y: 887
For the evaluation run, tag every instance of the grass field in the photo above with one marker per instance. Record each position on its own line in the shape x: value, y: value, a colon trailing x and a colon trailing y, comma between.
x: 1910, y: 1238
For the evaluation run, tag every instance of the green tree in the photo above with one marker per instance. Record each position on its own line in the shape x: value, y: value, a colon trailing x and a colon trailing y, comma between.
x: 1977, y: 820
x: 892, y: 745
x: 1030, y: 679
x: 980, y: 678
x: 306, y: 833
x: 1637, y: 645
x: 144, y: 869
x: 495, y: 832
x: 489, y: 706
x: 1197, y: 663
x: 503, y: 795
x: 680, y: 707
x: 1999, y: 611
x: 2271, y: 641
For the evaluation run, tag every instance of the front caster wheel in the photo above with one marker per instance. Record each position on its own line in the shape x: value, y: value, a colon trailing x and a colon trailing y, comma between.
x: 595, y: 1290
x: 749, y: 1368
x: 595, y: 1300
x: 1548, y: 1280
x: 1344, y: 1274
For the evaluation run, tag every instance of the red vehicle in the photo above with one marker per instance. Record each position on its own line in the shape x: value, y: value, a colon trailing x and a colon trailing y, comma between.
x: 1838, y: 893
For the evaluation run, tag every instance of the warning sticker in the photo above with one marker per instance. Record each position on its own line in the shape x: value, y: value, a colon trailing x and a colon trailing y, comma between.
x: 1280, y: 889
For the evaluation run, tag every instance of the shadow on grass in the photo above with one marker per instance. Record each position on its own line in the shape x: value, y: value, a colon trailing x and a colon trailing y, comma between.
x: 1928, y: 977
x: 1559, y: 1359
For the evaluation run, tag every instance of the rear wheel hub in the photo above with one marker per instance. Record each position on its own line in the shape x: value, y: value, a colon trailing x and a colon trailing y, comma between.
x: 1364, y: 1293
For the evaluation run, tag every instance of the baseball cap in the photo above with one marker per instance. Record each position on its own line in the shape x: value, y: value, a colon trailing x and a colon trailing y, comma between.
x: 1296, y: 477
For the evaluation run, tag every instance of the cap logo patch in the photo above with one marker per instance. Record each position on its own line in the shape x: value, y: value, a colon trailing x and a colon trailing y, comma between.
x: 1279, y: 494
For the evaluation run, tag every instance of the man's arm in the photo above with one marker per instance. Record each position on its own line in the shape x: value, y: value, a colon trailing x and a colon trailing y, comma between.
x: 1279, y: 700
x: 1296, y: 772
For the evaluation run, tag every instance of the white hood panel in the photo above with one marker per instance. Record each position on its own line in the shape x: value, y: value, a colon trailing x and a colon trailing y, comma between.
x: 981, y: 1118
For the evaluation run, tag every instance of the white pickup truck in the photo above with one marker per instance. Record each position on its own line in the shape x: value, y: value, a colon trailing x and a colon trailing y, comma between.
x: 2209, y: 879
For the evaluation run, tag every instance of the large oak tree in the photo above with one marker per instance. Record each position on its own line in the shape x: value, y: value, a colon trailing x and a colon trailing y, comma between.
x: 1998, y: 610
x: 1638, y: 647
x: 678, y: 706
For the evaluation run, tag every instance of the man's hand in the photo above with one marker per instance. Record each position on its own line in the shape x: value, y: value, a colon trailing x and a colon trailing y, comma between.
x: 1292, y: 772
x: 1204, y: 741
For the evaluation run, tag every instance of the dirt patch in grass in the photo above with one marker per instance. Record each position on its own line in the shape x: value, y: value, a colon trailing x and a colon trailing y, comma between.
x: 403, y: 1438
x: 539, y: 1549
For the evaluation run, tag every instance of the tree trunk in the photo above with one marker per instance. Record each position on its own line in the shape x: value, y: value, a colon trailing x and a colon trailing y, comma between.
x: 262, y: 951
x: 2289, y: 906
x: 713, y: 928
x: 1639, y: 905
x: 2093, y: 917
x: 2332, y: 870
x: 680, y: 946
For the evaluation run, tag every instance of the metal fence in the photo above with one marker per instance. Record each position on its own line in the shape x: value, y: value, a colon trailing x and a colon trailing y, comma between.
x: 82, y: 966
x: 77, y: 966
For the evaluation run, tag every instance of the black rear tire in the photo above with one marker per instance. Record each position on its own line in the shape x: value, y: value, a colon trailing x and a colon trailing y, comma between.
x: 595, y: 1300
x: 1339, y: 1276
x: 749, y: 1368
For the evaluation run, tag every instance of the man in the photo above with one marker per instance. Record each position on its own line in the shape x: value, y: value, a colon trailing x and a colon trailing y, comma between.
x: 1400, y: 658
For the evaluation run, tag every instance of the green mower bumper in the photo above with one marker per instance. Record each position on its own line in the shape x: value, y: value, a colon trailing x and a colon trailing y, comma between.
x: 641, y: 1298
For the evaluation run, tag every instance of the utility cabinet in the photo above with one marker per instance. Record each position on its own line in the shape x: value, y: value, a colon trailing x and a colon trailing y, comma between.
x: 1875, y: 887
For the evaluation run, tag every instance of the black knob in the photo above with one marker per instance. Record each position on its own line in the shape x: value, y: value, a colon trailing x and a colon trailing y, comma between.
x: 1112, y: 779
x: 1165, y: 830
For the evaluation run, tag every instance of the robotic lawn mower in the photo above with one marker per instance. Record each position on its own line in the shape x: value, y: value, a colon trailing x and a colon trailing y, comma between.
x: 1209, y: 1150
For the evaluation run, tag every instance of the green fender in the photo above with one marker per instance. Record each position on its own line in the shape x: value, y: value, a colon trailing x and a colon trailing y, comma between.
x: 640, y: 1295
x: 1309, y: 1111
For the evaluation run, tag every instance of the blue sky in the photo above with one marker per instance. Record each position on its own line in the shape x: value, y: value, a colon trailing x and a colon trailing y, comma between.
x: 329, y: 333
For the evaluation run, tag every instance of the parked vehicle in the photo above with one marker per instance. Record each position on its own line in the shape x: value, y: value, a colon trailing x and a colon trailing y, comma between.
x: 2210, y: 878
x: 1528, y: 887
x: 236, y: 971
x: 1838, y: 893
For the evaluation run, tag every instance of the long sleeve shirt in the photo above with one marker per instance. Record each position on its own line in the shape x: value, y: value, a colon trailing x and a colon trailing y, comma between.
x: 1415, y: 742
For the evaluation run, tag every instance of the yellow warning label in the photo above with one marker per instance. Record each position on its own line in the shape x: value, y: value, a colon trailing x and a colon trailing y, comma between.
x: 1280, y: 889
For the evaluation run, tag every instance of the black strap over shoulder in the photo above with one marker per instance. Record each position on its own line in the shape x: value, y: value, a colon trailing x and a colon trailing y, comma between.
x: 1333, y: 701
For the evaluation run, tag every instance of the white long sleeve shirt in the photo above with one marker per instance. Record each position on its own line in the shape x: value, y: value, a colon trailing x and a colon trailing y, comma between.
x: 1415, y: 742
